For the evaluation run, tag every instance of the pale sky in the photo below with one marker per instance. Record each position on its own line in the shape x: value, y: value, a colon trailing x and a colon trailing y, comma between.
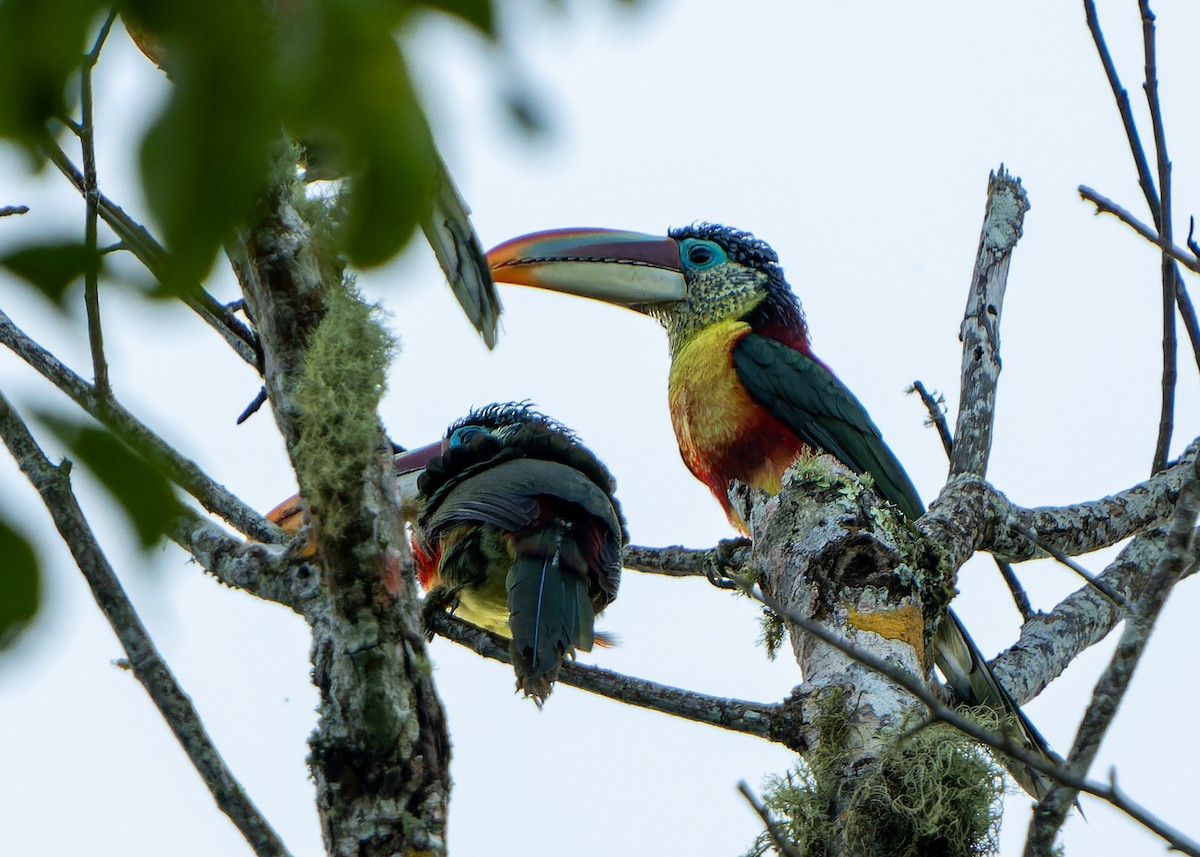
x: 856, y: 138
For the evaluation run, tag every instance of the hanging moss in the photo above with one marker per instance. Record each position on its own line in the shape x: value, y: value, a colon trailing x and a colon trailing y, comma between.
x: 934, y: 793
x: 771, y: 632
x: 804, y: 800
x: 339, y: 391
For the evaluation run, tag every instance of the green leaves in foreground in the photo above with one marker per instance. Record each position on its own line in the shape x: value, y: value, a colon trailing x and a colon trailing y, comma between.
x: 327, y: 72
x: 50, y: 268
x: 142, y: 491
x: 20, y: 583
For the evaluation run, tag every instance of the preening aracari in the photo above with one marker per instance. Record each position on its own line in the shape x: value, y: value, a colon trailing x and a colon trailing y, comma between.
x: 746, y: 393
x: 520, y: 524
x: 518, y: 527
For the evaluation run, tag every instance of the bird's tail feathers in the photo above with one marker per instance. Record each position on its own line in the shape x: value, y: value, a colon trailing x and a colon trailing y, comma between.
x: 967, y: 671
x: 550, y: 613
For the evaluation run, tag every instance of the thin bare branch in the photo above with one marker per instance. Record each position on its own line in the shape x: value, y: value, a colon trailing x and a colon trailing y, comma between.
x: 1104, y: 205
x: 936, y: 407
x: 1169, y: 374
x: 937, y: 418
x: 91, y: 194
x: 980, y: 331
x: 53, y: 484
x: 183, y: 471
x: 137, y: 240
x: 1093, y: 580
x: 1176, y: 557
x: 761, y: 719
x: 1050, y: 641
x: 777, y: 837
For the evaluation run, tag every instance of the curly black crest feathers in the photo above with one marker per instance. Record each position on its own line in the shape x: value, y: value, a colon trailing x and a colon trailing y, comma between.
x: 514, y: 430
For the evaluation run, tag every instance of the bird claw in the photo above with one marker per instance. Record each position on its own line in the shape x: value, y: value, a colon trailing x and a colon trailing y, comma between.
x: 722, y: 571
x: 439, y: 599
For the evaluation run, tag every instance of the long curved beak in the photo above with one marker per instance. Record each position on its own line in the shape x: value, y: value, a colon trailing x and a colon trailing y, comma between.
x: 414, y: 460
x: 626, y: 268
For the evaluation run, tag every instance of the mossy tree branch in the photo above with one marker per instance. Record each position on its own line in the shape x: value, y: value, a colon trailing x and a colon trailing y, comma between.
x: 381, y: 752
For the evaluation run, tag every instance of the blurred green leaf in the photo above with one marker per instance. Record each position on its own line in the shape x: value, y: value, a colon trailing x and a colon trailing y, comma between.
x: 20, y: 583
x: 50, y: 268
x: 205, y: 160
x: 477, y: 13
x: 144, y: 493
x: 352, y: 95
x: 42, y: 43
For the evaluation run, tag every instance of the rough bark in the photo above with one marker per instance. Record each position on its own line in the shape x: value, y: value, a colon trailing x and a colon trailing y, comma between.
x: 380, y: 752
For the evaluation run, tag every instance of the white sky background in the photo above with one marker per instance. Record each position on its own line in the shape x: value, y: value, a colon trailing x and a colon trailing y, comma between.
x: 856, y: 137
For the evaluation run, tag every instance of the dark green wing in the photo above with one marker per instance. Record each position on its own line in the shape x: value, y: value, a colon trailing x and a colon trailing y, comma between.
x: 812, y: 402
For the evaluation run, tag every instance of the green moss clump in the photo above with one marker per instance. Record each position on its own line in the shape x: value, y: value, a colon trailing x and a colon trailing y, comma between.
x: 933, y: 793
x: 345, y: 375
x: 804, y: 799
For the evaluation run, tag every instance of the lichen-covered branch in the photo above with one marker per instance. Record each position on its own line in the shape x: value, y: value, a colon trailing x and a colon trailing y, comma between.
x: 1050, y: 641
x: 267, y: 571
x: 764, y: 720
x: 1084, y: 527
x: 53, y: 483
x: 678, y: 561
x: 868, y: 635
x: 380, y: 753
x: 1177, y: 556
x: 176, y: 467
x: 980, y: 331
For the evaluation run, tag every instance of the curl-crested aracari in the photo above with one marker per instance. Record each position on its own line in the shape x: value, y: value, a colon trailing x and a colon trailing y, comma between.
x: 746, y: 393
x: 521, y: 524
x: 515, y: 522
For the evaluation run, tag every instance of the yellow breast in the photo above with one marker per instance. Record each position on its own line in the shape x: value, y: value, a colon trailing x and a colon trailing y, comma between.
x: 708, y: 403
x: 723, y: 433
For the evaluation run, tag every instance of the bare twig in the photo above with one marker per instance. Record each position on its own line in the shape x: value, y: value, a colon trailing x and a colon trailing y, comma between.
x: 252, y: 408
x: 1176, y: 556
x: 91, y: 194
x: 1002, y: 743
x: 937, y: 418
x: 10, y: 210
x: 764, y: 720
x: 138, y: 241
x: 183, y: 471
x: 1050, y: 642
x: 53, y: 483
x: 777, y: 837
x: 1104, y: 205
x: 1167, y: 419
x: 937, y: 415
x: 1189, y: 260
x: 1093, y: 580
x: 980, y: 332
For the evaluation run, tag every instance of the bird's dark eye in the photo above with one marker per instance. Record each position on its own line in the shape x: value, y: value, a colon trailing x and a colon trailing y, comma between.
x: 465, y: 434
x: 698, y: 254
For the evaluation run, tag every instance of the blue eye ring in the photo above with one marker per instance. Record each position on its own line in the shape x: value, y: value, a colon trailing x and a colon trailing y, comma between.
x: 700, y: 255
x: 462, y: 436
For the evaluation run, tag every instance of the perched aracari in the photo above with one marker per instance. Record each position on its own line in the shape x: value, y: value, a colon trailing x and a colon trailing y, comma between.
x: 746, y: 393
x: 516, y: 524
x: 521, y: 526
